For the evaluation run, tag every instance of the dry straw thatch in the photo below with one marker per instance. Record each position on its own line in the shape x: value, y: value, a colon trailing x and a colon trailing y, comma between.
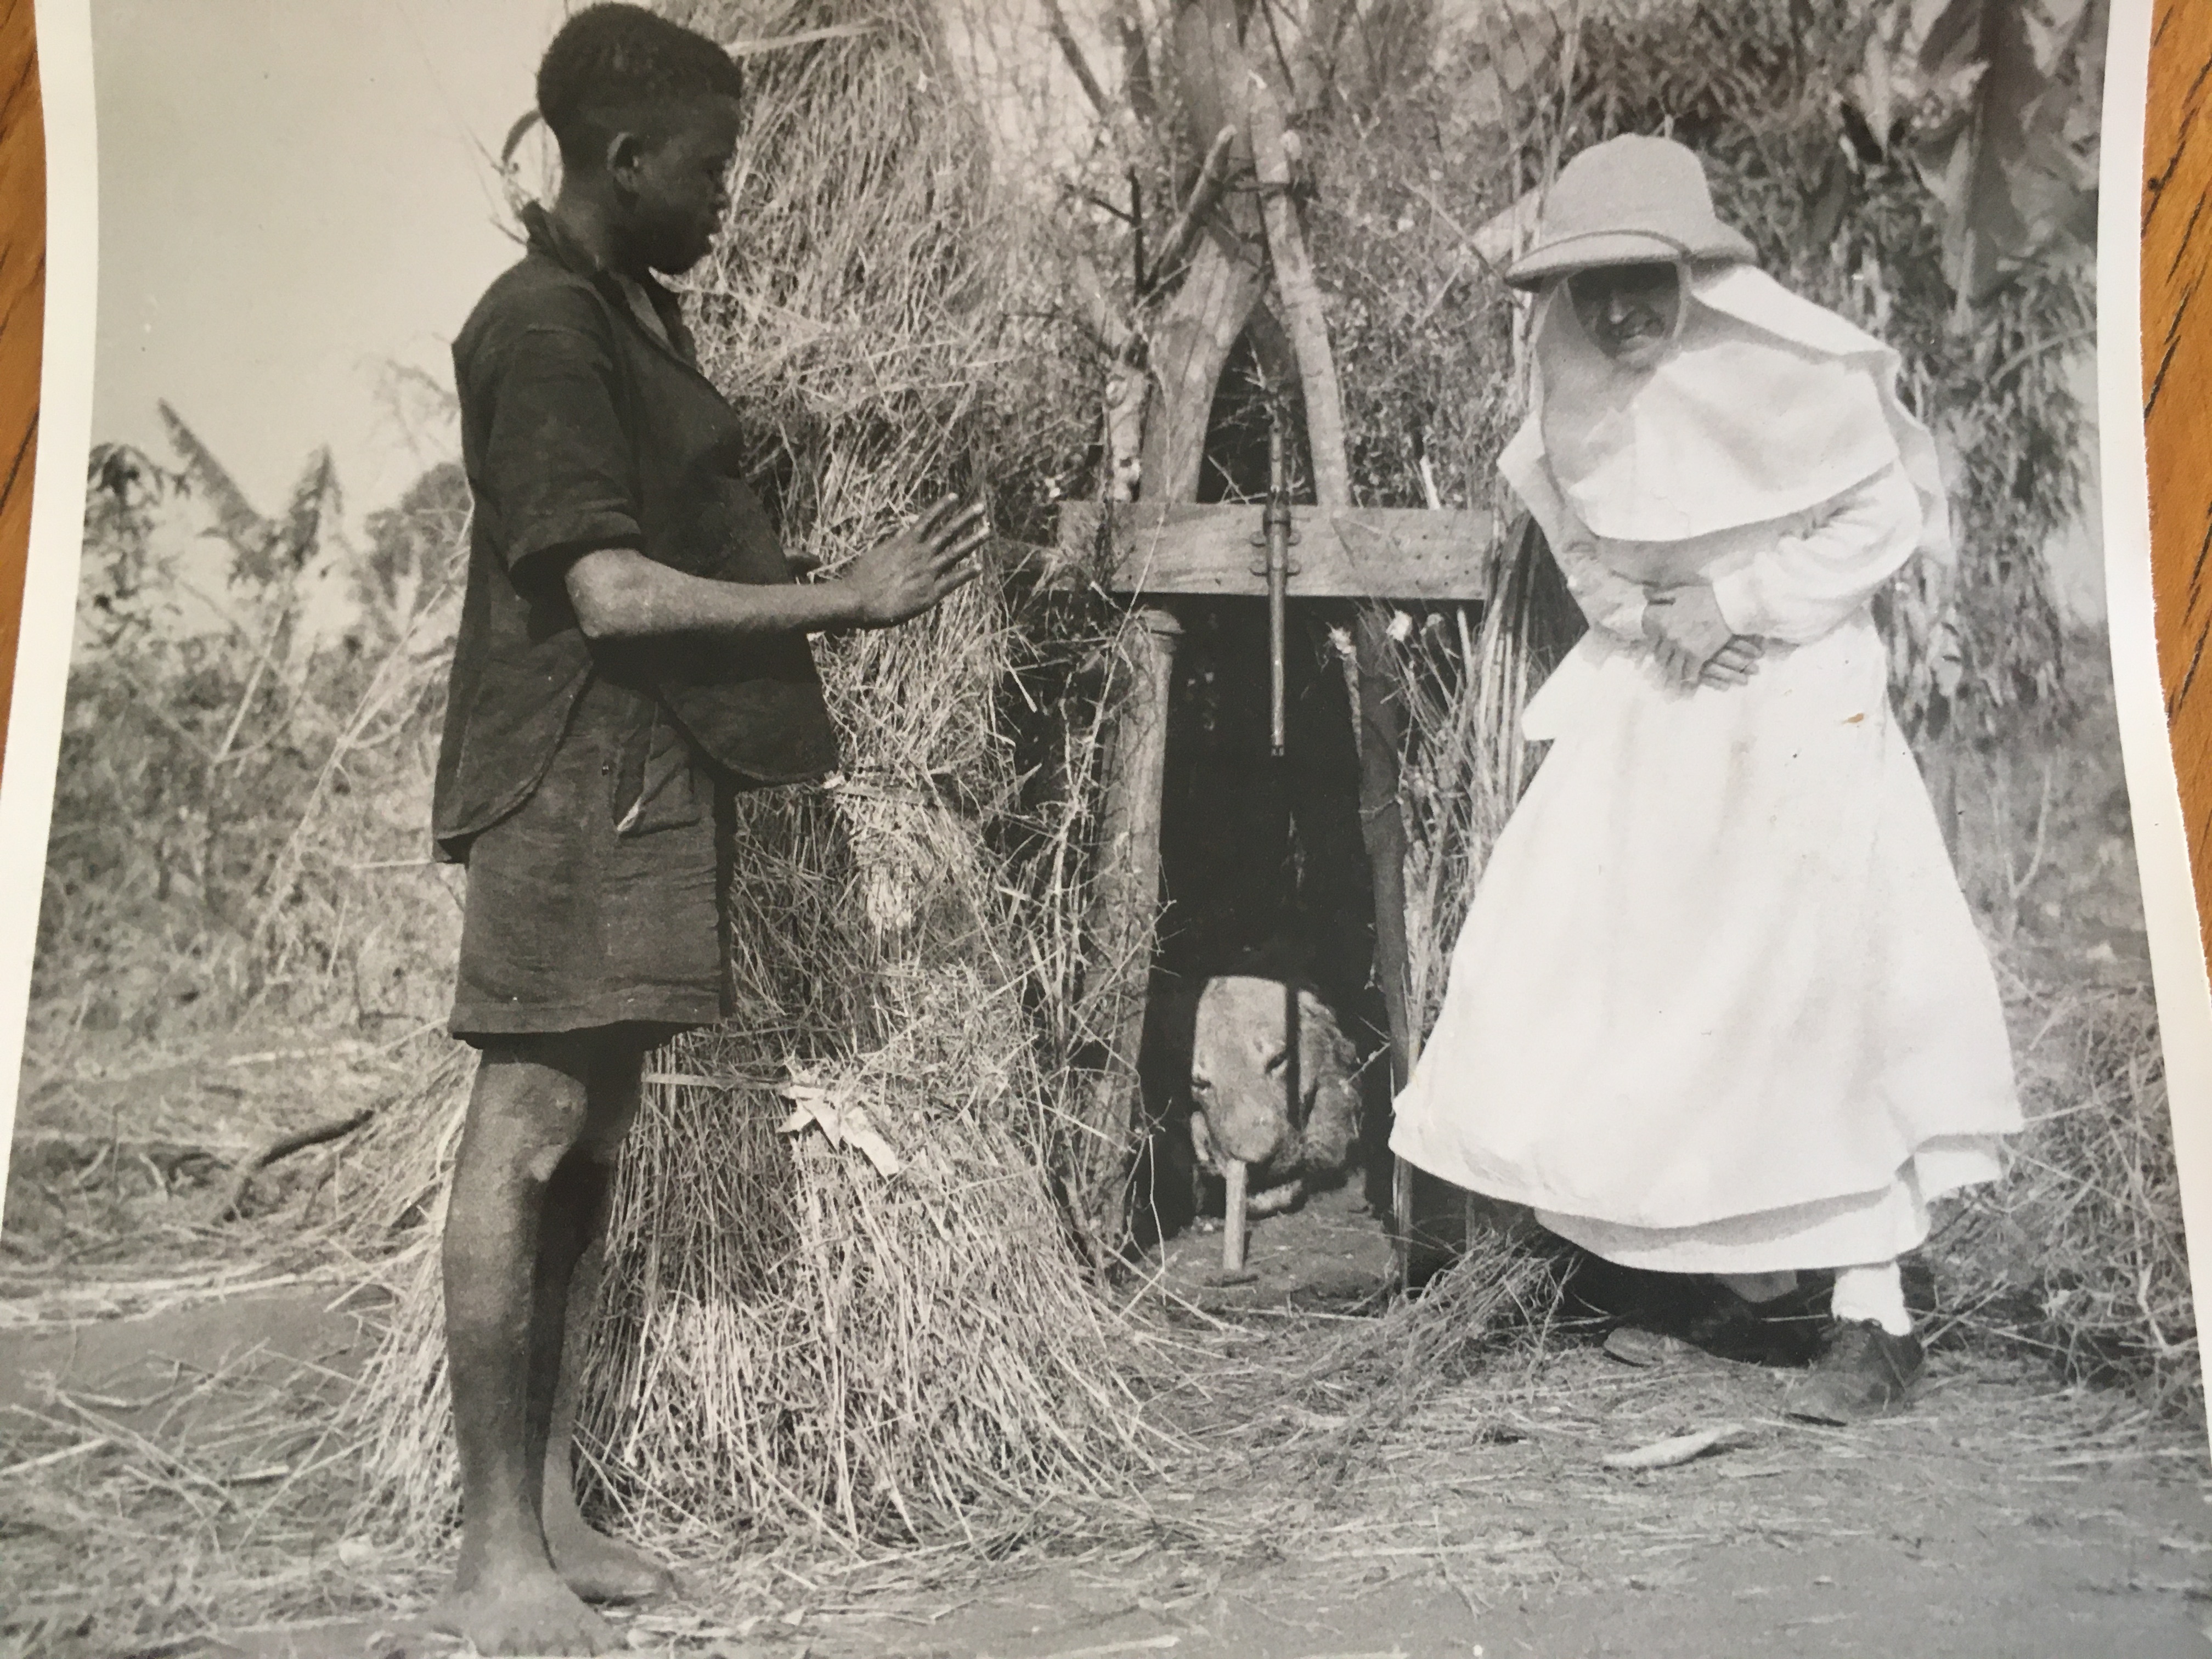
x: 2079, y: 1253
x: 794, y: 1343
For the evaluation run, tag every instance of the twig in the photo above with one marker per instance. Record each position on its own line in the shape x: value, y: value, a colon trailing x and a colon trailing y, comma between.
x: 2036, y: 849
x: 1476, y: 1607
x: 2033, y: 350
x: 117, y: 1431
x: 284, y: 1147
x: 1212, y: 177
x: 1055, y: 22
x: 53, y: 1457
x: 1682, y: 1448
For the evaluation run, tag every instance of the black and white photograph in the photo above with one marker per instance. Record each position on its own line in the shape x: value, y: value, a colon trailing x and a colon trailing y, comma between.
x: 1049, y: 829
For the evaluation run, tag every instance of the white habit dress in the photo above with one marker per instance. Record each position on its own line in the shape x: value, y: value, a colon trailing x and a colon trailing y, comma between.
x: 1719, y: 1004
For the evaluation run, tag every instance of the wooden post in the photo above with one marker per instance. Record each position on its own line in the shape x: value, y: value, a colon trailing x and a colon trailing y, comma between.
x: 1124, y: 917
x: 1191, y: 341
x: 1381, y: 716
x: 1302, y: 304
x: 1382, y: 828
x: 1236, y: 1173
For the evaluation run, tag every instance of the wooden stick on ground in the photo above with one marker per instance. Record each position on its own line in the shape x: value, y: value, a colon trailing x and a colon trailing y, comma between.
x: 1238, y: 1173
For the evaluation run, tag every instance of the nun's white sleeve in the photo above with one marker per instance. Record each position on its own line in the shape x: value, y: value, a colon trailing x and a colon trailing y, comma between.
x: 1610, y: 600
x: 1804, y: 585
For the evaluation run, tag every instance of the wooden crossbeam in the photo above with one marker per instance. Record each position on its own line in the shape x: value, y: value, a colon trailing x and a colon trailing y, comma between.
x: 1362, y: 552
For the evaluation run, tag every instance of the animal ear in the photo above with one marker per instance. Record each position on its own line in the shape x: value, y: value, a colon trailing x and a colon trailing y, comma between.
x: 1320, y: 1035
x: 1333, y: 1124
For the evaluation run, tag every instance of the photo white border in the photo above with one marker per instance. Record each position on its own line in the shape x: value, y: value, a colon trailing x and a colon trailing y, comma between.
x: 50, y: 577
x: 2177, y: 954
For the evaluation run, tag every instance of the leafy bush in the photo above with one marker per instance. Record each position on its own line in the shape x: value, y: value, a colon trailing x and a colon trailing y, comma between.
x: 243, y: 790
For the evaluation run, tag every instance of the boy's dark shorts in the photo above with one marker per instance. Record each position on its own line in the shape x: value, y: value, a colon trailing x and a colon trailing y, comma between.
x: 570, y: 927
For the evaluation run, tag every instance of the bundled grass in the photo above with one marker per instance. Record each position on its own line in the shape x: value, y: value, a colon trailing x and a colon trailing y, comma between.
x: 2080, y: 1254
x: 909, y: 1358
x: 793, y: 1341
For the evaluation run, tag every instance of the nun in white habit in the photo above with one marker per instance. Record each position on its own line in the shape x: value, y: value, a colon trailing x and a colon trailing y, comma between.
x: 1719, y: 1006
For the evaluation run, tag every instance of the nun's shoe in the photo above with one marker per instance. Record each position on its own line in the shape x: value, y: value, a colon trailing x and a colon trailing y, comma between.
x: 1789, y: 1331
x: 1862, y: 1371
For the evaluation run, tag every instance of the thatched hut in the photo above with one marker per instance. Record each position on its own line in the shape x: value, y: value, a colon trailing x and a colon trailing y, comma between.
x: 852, y: 1281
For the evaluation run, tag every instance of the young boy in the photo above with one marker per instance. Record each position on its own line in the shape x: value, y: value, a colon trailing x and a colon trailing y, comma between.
x: 632, y: 649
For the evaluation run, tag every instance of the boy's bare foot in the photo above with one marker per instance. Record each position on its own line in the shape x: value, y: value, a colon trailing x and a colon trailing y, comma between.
x: 526, y: 1612
x: 599, y: 1568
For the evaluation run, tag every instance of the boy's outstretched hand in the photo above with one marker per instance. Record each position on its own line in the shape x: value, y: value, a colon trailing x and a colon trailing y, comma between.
x: 913, y: 571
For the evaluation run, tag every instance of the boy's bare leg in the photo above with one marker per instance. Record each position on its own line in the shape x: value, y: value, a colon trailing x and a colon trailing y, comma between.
x: 597, y: 1567
x: 521, y: 1212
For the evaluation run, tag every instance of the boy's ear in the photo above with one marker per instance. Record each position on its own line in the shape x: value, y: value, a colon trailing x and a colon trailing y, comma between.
x: 624, y: 150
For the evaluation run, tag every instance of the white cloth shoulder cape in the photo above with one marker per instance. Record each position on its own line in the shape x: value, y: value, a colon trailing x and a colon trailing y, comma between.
x: 1767, y: 404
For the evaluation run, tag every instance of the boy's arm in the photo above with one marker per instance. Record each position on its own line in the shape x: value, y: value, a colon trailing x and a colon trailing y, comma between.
x: 555, y: 475
x: 619, y: 594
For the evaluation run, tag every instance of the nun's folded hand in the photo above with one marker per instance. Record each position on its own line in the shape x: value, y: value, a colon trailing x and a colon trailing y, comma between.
x: 1733, y: 664
x: 1687, y: 630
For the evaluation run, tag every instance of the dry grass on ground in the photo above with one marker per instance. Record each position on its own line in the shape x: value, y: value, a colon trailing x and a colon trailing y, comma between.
x: 167, y: 1499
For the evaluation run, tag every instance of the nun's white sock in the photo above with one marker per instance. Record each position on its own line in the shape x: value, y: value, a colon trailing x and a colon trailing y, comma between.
x: 1874, y: 1292
x: 1760, y: 1287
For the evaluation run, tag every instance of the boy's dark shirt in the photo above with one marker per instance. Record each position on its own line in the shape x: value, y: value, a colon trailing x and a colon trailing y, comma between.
x: 582, y: 430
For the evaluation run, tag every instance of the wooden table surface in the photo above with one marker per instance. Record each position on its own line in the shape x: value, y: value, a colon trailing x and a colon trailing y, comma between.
x: 22, y: 312
x: 2176, y: 339
x: 2177, y: 336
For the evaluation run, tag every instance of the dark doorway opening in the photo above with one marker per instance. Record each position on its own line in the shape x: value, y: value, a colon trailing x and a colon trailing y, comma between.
x: 1263, y: 865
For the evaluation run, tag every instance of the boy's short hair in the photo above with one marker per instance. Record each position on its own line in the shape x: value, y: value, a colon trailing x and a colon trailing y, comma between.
x: 610, y: 64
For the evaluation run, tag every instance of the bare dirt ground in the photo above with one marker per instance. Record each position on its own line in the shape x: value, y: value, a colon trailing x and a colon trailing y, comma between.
x: 172, y: 1488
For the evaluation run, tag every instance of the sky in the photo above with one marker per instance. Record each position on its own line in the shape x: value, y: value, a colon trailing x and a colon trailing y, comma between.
x: 292, y: 195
